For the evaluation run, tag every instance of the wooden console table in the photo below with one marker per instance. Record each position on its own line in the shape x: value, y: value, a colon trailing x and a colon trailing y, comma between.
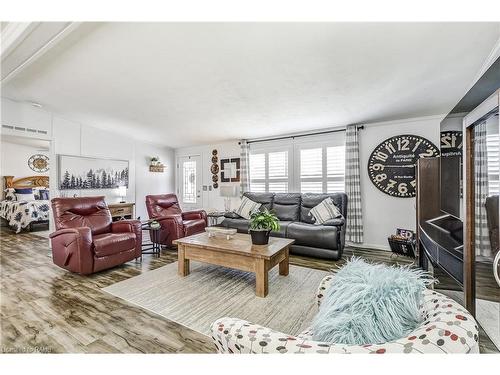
x: 121, y: 211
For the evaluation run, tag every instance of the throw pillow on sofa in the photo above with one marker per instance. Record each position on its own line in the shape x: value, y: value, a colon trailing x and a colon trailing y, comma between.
x: 370, y: 304
x: 324, y: 211
x: 246, y: 208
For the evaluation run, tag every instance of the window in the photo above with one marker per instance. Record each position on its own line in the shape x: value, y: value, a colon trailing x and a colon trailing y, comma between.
x: 322, y: 169
x: 307, y: 165
x: 492, y: 146
x: 269, y: 172
x: 189, y: 181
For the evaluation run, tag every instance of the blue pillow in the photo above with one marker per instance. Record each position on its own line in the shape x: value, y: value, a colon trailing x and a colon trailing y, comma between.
x: 24, y: 191
x: 43, y: 194
x: 370, y: 304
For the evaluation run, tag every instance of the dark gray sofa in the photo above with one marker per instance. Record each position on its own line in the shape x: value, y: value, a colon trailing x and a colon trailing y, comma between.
x: 292, y: 209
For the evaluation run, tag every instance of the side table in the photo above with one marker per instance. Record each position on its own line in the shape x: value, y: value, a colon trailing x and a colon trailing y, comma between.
x: 152, y: 247
x: 213, y: 217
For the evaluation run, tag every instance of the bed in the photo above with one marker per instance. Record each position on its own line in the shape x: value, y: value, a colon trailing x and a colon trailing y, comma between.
x: 23, y: 214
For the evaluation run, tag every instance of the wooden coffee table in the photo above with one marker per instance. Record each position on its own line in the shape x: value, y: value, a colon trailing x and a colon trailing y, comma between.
x: 238, y: 253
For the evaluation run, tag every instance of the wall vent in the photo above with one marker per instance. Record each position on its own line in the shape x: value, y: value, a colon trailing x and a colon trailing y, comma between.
x: 8, y: 127
x: 25, y: 130
x: 20, y: 129
x: 31, y: 130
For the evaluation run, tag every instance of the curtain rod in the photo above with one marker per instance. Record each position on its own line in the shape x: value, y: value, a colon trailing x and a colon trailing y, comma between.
x: 361, y: 127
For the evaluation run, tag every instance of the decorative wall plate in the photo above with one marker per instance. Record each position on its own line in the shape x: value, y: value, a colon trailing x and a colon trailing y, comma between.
x: 215, y: 178
x: 214, y: 168
x: 215, y: 185
x: 215, y: 159
x: 39, y: 163
x: 391, y: 165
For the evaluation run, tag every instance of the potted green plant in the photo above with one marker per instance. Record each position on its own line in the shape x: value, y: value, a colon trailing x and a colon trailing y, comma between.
x: 261, y: 225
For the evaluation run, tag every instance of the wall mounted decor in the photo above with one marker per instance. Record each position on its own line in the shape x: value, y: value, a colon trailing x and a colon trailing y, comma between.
x: 39, y: 163
x: 155, y: 165
x: 230, y: 170
x: 214, y: 169
x: 451, y: 143
x: 391, y: 165
x: 79, y: 172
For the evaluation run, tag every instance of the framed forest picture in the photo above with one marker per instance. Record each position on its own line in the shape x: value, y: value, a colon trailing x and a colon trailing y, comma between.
x: 80, y: 172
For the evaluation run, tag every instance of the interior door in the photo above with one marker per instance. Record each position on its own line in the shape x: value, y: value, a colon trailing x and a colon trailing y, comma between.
x: 190, y: 184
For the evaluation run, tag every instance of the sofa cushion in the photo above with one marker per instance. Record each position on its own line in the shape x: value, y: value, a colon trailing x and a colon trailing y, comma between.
x: 266, y: 199
x: 313, y: 235
x: 113, y: 243
x: 283, y: 229
x: 240, y: 224
x: 194, y: 226
x: 310, y: 200
x: 286, y: 206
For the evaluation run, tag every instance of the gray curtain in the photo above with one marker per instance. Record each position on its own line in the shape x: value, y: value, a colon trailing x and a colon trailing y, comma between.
x: 354, y: 225
x: 244, y: 163
x: 481, y: 190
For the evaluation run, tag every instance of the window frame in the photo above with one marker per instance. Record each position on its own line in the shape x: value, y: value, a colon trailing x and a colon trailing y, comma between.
x: 294, y: 147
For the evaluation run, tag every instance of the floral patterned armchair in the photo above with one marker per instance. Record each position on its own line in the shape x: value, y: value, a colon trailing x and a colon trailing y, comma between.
x: 447, y: 328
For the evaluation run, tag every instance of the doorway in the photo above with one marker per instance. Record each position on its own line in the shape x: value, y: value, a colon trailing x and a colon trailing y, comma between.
x: 189, y: 182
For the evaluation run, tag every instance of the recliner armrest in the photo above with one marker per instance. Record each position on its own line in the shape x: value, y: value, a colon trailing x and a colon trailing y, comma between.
x: 195, y: 214
x: 72, y: 249
x: 132, y: 226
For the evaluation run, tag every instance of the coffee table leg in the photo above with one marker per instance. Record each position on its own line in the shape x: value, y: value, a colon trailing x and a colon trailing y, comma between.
x: 261, y: 278
x: 183, y: 262
x: 284, y: 264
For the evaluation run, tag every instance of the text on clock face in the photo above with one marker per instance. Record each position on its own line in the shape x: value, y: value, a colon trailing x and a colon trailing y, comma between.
x: 392, y: 164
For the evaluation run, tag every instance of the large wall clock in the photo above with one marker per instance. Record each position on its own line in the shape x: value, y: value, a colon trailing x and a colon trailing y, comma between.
x: 451, y: 143
x: 39, y: 163
x: 391, y: 166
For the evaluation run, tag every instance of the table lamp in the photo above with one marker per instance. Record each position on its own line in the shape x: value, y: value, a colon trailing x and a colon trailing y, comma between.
x: 122, y: 190
x: 228, y: 192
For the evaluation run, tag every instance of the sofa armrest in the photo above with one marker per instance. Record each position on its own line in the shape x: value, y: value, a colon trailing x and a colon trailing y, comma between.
x: 336, y: 222
x: 232, y: 215
x: 195, y: 214
x: 133, y: 226
x: 232, y: 335
x: 72, y: 249
x: 322, y: 288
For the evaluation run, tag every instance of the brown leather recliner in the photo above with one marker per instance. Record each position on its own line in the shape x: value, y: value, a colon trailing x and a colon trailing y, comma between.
x: 175, y: 224
x: 87, y: 240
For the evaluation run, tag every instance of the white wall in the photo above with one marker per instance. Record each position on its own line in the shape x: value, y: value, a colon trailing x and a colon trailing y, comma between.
x: 147, y: 182
x: 73, y: 138
x: 14, y: 159
x: 211, y: 199
x: 382, y: 213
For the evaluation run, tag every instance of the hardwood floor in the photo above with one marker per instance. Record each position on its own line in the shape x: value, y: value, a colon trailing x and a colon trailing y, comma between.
x: 47, y: 309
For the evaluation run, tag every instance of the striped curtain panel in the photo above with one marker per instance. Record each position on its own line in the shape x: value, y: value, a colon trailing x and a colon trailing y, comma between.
x: 244, y: 165
x: 354, y: 225
x: 481, y: 190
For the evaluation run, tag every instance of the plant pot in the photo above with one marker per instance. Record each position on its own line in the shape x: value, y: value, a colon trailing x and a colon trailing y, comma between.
x: 260, y: 237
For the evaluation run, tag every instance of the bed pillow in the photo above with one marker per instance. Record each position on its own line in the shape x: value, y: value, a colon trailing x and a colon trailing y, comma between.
x: 43, y: 195
x: 246, y: 208
x: 25, y: 194
x: 324, y: 211
x: 370, y: 304
x: 10, y: 194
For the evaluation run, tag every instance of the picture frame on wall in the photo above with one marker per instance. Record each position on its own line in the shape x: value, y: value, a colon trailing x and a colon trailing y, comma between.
x: 83, y: 173
x: 230, y: 170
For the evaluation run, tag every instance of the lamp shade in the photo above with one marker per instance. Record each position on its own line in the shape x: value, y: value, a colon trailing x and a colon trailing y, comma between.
x: 122, y: 190
x: 229, y: 191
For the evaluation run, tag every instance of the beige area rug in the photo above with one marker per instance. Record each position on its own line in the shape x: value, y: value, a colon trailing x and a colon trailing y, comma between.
x: 212, y: 292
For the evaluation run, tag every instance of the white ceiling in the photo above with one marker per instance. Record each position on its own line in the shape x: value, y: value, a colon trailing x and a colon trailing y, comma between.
x: 183, y: 84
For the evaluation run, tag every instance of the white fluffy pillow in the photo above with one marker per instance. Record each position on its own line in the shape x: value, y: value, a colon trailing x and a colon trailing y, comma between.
x: 246, y: 208
x: 324, y: 211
